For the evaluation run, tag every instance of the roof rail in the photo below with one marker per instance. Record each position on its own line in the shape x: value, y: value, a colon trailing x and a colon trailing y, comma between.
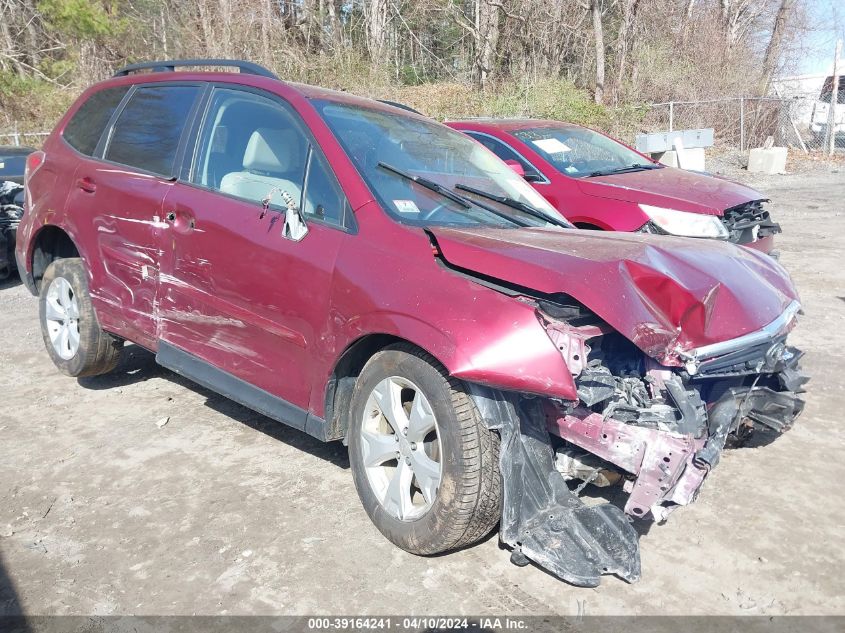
x: 170, y: 65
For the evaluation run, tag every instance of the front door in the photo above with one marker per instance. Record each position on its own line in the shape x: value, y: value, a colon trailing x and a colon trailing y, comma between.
x: 234, y: 292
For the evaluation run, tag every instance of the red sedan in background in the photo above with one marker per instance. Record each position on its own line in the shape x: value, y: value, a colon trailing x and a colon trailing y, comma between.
x: 599, y: 183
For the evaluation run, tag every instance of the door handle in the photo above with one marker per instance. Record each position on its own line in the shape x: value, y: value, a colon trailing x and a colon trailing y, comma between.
x: 182, y: 221
x: 86, y: 184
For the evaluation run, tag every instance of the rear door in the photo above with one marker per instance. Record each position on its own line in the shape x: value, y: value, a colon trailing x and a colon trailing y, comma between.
x: 235, y: 294
x: 117, y: 196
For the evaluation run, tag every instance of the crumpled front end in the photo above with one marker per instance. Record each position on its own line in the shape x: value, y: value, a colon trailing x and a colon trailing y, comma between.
x: 656, y: 430
x: 660, y: 430
x: 672, y: 351
x: 749, y: 222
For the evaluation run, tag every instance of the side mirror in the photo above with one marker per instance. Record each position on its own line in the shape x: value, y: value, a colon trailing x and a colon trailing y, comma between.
x: 295, y: 228
x: 516, y: 166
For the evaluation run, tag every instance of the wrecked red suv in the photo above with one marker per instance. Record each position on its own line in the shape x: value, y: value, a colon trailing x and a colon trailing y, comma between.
x: 599, y: 183
x: 365, y: 274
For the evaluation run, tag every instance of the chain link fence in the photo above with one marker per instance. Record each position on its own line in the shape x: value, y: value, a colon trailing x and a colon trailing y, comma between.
x: 18, y: 139
x: 799, y: 122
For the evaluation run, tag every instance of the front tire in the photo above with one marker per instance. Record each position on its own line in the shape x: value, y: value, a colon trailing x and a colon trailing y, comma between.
x: 425, y: 465
x: 72, y: 335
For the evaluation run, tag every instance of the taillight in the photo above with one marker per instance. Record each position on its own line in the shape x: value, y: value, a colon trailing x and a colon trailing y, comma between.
x: 33, y: 162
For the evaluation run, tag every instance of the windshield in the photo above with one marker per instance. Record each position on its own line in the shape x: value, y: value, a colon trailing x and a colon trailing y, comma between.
x: 391, y: 150
x: 580, y: 152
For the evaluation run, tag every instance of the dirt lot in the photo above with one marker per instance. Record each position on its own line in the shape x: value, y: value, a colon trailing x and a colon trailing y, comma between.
x: 223, y: 511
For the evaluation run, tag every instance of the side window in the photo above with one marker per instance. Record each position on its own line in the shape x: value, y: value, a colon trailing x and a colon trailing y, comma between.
x: 504, y: 152
x: 147, y: 132
x: 85, y: 127
x: 323, y: 200
x: 250, y: 147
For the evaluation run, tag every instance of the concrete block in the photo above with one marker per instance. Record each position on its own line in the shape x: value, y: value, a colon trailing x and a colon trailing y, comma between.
x: 670, y: 158
x: 687, y: 158
x: 767, y: 160
x: 691, y: 158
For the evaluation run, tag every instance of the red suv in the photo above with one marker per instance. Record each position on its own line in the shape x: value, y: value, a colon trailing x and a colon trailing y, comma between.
x: 599, y: 183
x: 365, y: 274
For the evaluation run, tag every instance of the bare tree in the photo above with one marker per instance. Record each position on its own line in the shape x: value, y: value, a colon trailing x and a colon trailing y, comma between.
x: 486, y: 38
x: 598, y: 39
x: 623, y: 41
x: 376, y: 12
x: 772, y: 55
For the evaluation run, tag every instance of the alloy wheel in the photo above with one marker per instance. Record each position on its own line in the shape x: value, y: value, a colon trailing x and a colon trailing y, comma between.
x: 401, y: 448
x: 62, y: 314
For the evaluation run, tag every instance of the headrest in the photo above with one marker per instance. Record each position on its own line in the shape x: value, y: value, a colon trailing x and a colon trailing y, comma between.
x: 272, y: 150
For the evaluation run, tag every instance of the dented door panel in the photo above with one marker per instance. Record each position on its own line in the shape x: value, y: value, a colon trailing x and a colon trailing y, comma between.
x: 118, y: 213
x: 237, y: 294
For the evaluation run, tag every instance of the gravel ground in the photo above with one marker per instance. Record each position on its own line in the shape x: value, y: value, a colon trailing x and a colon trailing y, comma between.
x: 104, y: 510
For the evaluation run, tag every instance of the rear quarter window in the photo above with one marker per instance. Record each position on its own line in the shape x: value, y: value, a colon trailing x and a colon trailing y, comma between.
x: 146, y: 134
x: 84, y: 129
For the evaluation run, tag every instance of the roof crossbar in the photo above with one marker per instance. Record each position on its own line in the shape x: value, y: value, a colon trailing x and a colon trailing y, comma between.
x: 169, y: 66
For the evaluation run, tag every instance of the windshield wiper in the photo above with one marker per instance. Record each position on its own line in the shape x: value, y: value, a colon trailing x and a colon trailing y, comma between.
x: 516, y: 204
x: 622, y: 170
x: 429, y: 184
x: 448, y: 193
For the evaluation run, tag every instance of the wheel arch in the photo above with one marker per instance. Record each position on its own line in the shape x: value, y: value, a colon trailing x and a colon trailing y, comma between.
x: 347, y: 368
x: 49, y: 244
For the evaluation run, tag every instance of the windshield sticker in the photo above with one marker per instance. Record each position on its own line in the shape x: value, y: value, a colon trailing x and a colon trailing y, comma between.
x: 406, y: 206
x: 551, y: 145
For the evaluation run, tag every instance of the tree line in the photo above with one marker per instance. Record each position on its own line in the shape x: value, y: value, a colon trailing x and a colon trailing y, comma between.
x: 615, y: 51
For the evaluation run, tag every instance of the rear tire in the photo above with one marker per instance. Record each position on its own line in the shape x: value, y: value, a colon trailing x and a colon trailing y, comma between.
x: 72, y: 335
x: 466, y: 504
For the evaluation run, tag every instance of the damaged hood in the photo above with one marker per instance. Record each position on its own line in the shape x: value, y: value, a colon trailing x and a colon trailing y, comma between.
x: 671, y: 188
x: 665, y: 294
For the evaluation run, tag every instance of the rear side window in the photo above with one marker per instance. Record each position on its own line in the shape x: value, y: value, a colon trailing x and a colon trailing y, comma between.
x: 84, y: 129
x: 503, y: 151
x: 147, y: 132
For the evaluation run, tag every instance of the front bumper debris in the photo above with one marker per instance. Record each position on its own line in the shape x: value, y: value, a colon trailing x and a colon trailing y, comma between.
x: 749, y: 222
x: 541, y: 519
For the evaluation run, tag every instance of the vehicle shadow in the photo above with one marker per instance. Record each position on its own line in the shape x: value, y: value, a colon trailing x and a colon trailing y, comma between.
x: 10, y: 282
x: 138, y: 365
x: 11, y: 610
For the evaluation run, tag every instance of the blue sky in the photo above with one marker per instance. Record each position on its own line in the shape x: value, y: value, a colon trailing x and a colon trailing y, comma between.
x: 827, y: 22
